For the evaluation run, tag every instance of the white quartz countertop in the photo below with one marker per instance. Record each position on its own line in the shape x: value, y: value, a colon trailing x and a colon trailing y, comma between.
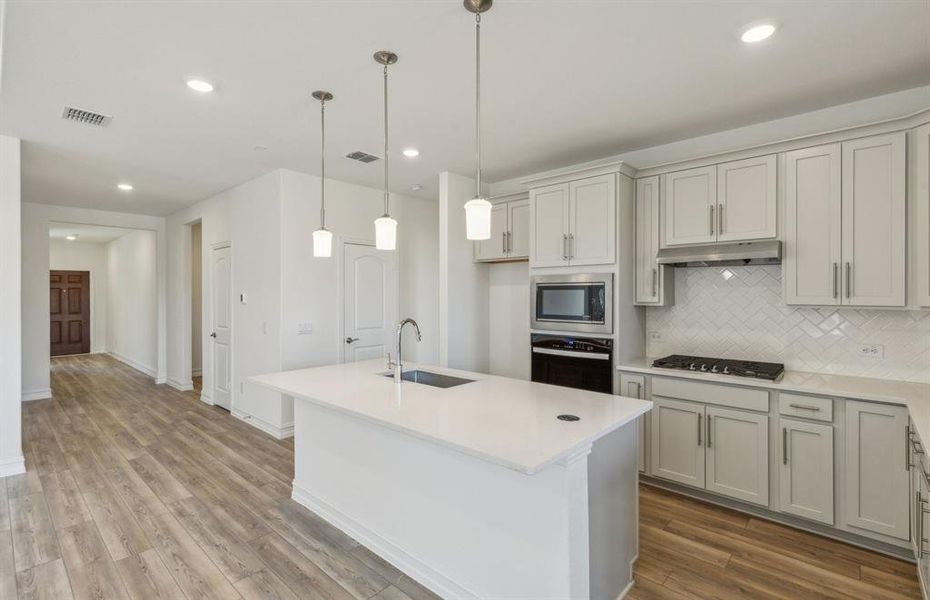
x: 916, y: 396
x: 509, y: 422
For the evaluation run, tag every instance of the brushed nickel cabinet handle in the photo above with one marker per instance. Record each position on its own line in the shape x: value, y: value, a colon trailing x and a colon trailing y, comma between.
x: 655, y: 277
x: 571, y: 246
x: 638, y: 389
x: 712, y: 219
x: 719, y: 219
x: 709, y: 418
x: 907, y: 447
x: 699, y: 428
x: 564, y: 246
x: 509, y: 242
x: 836, y: 272
x: 805, y: 407
x: 503, y: 242
x: 784, y: 445
x: 848, y: 280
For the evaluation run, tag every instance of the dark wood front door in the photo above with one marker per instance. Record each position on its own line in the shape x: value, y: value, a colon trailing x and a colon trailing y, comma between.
x: 69, y: 304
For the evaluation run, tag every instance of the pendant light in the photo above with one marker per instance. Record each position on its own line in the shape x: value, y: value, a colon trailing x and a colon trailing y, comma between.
x: 478, y: 210
x: 322, y: 237
x: 385, y: 225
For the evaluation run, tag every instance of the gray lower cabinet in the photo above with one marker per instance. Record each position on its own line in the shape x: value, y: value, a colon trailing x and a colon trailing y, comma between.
x: 805, y: 471
x: 721, y: 450
x: 634, y: 386
x: 877, y: 468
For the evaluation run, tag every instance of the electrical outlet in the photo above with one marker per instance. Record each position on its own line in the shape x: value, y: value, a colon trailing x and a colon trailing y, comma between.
x: 871, y: 351
x: 655, y: 336
x: 304, y: 328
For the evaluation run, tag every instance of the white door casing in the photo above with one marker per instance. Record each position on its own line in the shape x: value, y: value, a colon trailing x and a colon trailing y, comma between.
x: 369, y: 301
x: 221, y: 320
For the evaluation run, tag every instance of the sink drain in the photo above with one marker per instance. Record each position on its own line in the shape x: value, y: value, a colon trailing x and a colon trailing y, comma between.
x: 568, y: 418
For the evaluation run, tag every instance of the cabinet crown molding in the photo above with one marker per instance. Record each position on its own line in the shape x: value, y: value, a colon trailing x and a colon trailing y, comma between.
x: 575, y: 172
x: 511, y: 197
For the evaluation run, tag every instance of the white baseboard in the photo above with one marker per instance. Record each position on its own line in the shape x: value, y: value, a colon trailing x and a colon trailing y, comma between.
x: 286, y: 431
x: 196, y: 372
x: 181, y: 385
x: 205, y: 398
x: 12, y: 466
x: 626, y: 590
x: 161, y: 380
x: 37, y: 394
x: 135, y: 365
x: 408, y: 564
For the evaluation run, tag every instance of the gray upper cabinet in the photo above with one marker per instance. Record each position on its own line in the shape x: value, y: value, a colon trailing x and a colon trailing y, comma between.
x: 845, y: 223
x: 510, y: 224
x: 922, y: 212
x: 690, y: 204
x: 654, y: 282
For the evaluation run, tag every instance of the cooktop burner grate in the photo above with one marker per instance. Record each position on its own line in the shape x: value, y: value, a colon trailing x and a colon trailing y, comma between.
x: 722, y: 366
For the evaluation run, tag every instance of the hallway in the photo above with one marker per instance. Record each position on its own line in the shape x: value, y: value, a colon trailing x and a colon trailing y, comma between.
x: 138, y: 491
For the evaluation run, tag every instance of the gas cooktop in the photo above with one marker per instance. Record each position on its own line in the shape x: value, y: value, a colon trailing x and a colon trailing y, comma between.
x: 722, y: 366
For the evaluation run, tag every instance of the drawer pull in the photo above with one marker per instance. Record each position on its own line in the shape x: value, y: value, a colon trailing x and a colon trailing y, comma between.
x: 805, y: 407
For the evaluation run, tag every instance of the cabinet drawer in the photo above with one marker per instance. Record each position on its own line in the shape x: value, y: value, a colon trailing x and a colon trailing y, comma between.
x: 711, y: 393
x: 806, y: 407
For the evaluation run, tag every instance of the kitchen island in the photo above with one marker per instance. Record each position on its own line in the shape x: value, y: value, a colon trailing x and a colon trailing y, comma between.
x: 478, y: 490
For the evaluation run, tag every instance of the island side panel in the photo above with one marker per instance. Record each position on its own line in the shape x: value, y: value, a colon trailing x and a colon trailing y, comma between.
x: 613, y: 512
x: 463, y: 527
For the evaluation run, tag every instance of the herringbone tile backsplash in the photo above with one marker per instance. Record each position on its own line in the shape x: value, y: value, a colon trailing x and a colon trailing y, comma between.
x: 738, y: 312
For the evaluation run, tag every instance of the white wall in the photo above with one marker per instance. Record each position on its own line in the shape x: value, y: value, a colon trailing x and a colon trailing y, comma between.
x: 35, y: 265
x: 132, y: 307
x: 196, y: 299
x: 509, y: 319
x: 92, y: 257
x: 11, y: 449
x: 463, y: 284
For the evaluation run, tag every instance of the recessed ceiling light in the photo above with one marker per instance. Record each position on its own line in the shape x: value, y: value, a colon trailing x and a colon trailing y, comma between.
x: 411, y: 152
x: 126, y: 187
x: 71, y: 237
x: 199, y: 85
x: 757, y: 33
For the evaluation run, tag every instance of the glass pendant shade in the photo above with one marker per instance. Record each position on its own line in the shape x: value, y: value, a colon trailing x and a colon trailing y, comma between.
x: 478, y: 219
x: 322, y: 243
x: 385, y: 233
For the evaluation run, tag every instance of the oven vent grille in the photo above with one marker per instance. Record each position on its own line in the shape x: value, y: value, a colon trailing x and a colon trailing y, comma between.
x: 362, y: 156
x: 85, y: 116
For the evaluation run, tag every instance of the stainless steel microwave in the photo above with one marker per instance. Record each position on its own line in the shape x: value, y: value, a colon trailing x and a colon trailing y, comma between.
x: 578, y: 303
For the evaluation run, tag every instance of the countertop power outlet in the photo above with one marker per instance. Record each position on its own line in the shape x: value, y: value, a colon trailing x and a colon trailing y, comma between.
x: 655, y: 336
x: 871, y: 351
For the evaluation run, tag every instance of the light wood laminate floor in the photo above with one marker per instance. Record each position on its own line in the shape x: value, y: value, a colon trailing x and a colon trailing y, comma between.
x: 140, y: 491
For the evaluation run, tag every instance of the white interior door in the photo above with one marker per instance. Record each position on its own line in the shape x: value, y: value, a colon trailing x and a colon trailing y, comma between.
x: 220, y: 272
x: 369, y: 296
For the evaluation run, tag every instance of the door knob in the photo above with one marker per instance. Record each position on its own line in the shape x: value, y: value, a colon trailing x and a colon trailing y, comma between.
x: 213, y: 335
x: 349, y: 340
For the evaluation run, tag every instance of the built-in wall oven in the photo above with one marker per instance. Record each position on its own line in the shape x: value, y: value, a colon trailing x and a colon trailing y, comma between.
x: 576, y: 303
x: 583, y: 363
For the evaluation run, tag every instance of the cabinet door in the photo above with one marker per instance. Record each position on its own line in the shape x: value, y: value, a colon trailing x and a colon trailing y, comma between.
x: 746, y: 200
x: 737, y: 454
x: 874, y: 217
x: 649, y: 274
x: 549, y: 226
x: 922, y: 212
x: 495, y: 247
x: 519, y: 224
x: 813, y: 226
x: 592, y: 220
x: 677, y: 441
x: 806, y: 470
x: 633, y: 386
x: 877, y: 468
x: 690, y: 206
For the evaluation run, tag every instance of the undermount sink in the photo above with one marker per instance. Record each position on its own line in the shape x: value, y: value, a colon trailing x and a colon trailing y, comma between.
x: 433, y: 379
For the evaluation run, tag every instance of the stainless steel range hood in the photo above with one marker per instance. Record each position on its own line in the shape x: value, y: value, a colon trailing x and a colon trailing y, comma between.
x: 739, y: 253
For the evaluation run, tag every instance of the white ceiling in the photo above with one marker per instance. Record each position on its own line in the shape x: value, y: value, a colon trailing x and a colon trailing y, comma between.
x: 90, y: 234
x: 563, y: 82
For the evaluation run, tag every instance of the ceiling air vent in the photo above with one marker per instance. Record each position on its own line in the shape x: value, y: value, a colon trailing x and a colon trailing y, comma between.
x: 362, y: 156
x: 85, y: 116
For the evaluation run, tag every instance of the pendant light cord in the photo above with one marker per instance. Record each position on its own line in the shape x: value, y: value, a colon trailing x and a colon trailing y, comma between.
x: 386, y: 193
x: 322, y: 164
x: 478, y: 104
